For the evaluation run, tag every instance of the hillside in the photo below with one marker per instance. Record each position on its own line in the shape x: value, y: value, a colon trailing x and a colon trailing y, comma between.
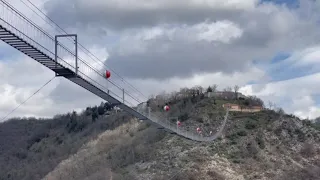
x: 31, y: 148
x: 261, y: 145
x: 275, y: 149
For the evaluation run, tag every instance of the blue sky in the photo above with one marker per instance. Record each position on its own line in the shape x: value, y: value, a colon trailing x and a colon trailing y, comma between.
x: 289, y: 3
x: 279, y: 70
x: 283, y: 66
x: 8, y: 53
x: 284, y: 71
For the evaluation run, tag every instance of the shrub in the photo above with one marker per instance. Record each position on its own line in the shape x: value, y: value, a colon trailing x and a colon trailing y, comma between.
x: 200, y: 120
x: 242, y: 133
x: 214, y: 175
x: 187, y: 175
x: 252, y: 149
x: 260, y: 142
x: 37, y: 137
x: 251, y: 124
x: 184, y: 117
x: 308, y: 150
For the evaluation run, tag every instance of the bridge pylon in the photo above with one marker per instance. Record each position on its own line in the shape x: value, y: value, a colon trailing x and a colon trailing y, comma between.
x: 56, y: 42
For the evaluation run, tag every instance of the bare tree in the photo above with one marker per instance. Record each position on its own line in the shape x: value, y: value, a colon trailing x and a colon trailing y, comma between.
x: 236, y: 89
x: 195, y: 90
x: 189, y: 92
x: 200, y: 88
x: 280, y: 111
x: 152, y: 96
x: 274, y: 106
x: 229, y: 89
x: 270, y: 104
x: 174, y: 96
x: 214, y: 88
x: 184, y: 92
x: 161, y: 98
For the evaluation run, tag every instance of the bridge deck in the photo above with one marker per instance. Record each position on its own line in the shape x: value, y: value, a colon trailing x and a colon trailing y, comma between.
x: 29, y: 50
x: 22, y: 45
x: 36, y: 54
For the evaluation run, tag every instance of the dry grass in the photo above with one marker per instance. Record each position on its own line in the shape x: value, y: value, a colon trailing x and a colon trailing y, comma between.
x: 91, y: 161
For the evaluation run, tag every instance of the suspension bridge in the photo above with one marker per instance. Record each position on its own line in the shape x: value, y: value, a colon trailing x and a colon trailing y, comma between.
x: 25, y: 35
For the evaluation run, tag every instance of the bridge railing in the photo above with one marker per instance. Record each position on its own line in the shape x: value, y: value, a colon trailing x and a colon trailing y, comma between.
x: 184, y: 131
x: 42, y: 39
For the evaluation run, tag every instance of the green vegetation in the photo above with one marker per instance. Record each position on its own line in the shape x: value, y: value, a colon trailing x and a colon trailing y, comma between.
x: 31, y: 148
x: 256, y: 142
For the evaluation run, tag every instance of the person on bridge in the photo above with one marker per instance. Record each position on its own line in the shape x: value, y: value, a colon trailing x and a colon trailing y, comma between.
x: 178, y: 123
x: 199, y: 130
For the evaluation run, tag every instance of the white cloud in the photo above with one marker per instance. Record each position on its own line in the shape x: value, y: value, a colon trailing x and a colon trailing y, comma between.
x: 311, y: 113
x: 12, y: 96
x: 222, y: 80
x: 22, y: 76
x: 226, y: 4
x: 154, y: 4
x: 241, y: 31
x: 306, y: 59
x: 308, y: 56
x: 223, y: 31
x: 294, y: 95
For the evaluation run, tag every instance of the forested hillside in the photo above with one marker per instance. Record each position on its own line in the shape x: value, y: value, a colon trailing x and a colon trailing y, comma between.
x: 31, y: 148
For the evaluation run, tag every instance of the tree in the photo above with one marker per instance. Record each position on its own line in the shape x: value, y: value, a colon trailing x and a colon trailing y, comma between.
x: 107, y: 106
x: 209, y: 89
x: 74, y: 115
x: 95, y: 114
x: 173, y: 96
x: 280, y: 111
x: 152, y: 96
x: 194, y: 91
x: 236, y: 89
x: 71, y: 126
x: 199, y: 90
x: 255, y: 101
x: 160, y: 99
x: 88, y: 111
x: 271, y: 105
x: 184, y: 92
x: 101, y: 109
x: 214, y: 88
x: 274, y: 106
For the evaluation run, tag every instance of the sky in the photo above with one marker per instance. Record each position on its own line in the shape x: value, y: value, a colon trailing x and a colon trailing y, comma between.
x: 270, y: 48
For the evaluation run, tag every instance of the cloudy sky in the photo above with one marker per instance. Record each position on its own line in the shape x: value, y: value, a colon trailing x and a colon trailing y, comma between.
x: 270, y: 48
